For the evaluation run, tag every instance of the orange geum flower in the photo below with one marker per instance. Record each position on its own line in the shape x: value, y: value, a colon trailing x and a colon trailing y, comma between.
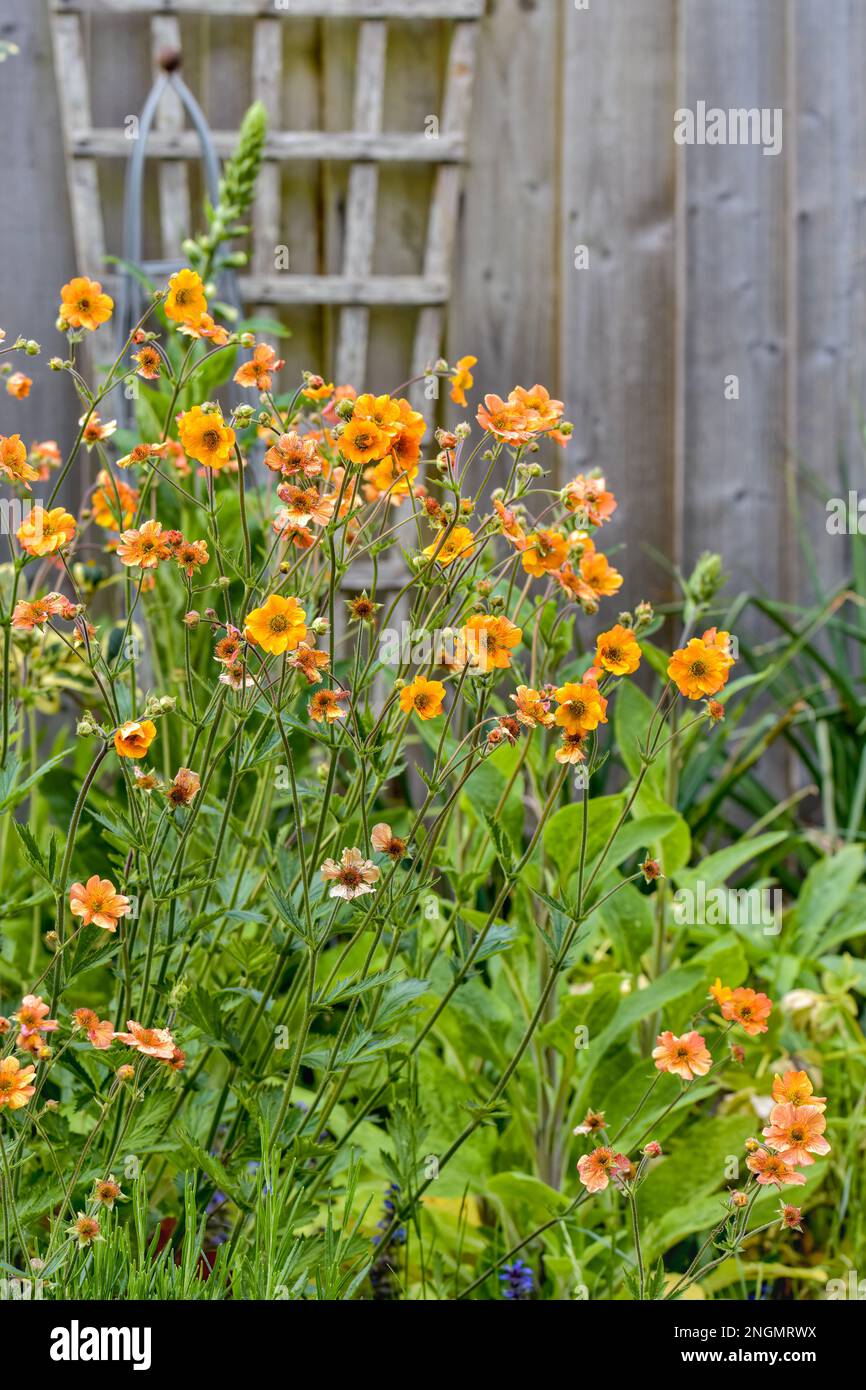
x: 459, y: 544
x: 294, y: 454
x: 772, y: 1170
x: 589, y: 497
x: 599, y: 575
x: 114, y: 503
x: 617, y: 651
x: 796, y: 1132
x: 148, y: 362
x: 236, y: 677
x: 98, y: 901
x: 541, y: 410
x: 32, y: 1015
x: 720, y: 992
x: 310, y: 662
x: 592, y: 1121
x: 145, y: 546
x: 133, y: 739
x: 351, y: 877
x: 327, y: 706
x: 206, y: 328
x: 43, y: 533
x: 531, y: 708
x: 150, y: 1042
x: 699, y: 670
x: 18, y: 385
x: 382, y: 411
x: 504, y: 419
x: 424, y: 697
x: 686, y: 1057
x: 228, y: 648
x: 795, y: 1088
x: 206, y: 437
x: 462, y: 380
x: 185, y: 302
x: 748, y: 1008
x: 486, y: 642
x: 306, y: 504
x: 257, y: 372
x: 544, y: 551
x: 572, y: 748
x: 511, y: 527
x: 316, y: 388
x: 27, y: 615
x: 791, y: 1217
x: 581, y: 707
x: 95, y: 429
x: 720, y: 641
x: 45, y: 456
x: 183, y: 787
x: 191, y: 556
x: 15, y: 1087
x: 107, y: 1191
x: 597, y: 1169
x: 100, y: 1033
x: 85, y: 1229
x: 363, y: 442
x: 384, y: 841
x: 278, y: 626
x: 13, y: 461
x: 83, y: 304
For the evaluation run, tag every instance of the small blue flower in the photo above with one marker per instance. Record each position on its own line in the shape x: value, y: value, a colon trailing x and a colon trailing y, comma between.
x: 518, y: 1281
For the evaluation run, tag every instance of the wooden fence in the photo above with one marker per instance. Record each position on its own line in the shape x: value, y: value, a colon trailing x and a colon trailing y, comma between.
x: 634, y: 276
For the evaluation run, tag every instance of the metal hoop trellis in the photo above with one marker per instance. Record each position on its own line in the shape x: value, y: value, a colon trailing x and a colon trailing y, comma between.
x: 132, y: 296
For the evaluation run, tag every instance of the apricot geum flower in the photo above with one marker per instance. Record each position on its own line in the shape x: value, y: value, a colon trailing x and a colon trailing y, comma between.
x: 422, y: 697
x: 581, y: 707
x: 278, y: 626
x: 206, y: 437
x: 133, y: 738
x: 14, y: 464
x: 15, y: 1083
x: 617, y: 651
x: 44, y: 532
x: 350, y: 877
x: 150, y: 1042
x: 186, y: 301
x: 687, y: 1056
x: 257, y: 372
x: 84, y: 305
x: 98, y: 902
x: 702, y: 666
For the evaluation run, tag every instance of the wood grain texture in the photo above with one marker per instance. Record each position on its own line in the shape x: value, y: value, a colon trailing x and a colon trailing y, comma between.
x: 829, y: 223
x: 285, y: 9
x: 507, y: 255
x: 616, y: 331
x: 735, y: 450
x: 362, y: 199
x: 174, y: 204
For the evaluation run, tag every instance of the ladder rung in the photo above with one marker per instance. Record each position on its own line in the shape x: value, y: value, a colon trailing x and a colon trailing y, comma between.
x: 409, y: 290
x: 351, y: 146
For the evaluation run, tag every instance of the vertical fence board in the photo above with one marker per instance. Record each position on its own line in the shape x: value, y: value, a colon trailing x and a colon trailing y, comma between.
x: 831, y: 254
x: 617, y: 314
x: 735, y: 450
x: 502, y: 307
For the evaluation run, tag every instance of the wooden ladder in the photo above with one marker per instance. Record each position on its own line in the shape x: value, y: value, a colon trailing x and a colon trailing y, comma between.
x: 356, y: 289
